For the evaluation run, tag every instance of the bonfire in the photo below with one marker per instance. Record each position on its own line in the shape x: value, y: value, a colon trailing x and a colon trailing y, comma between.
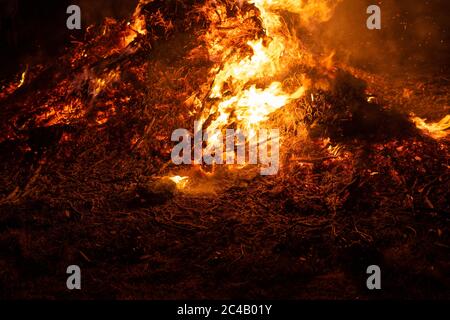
x: 88, y: 176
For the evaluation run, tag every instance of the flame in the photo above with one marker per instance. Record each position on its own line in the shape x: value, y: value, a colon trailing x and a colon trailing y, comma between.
x: 247, y: 89
x: 13, y: 86
x: 309, y: 10
x: 23, y: 77
x: 97, y: 85
x: 437, y: 130
x: 137, y: 26
x: 181, y: 182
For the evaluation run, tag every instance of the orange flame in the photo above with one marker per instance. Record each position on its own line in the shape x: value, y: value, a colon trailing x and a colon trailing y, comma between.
x: 241, y: 91
x: 180, y: 182
x: 437, y: 130
x: 137, y: 25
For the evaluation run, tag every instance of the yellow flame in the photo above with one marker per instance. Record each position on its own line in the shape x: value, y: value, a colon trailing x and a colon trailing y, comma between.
x: 239, y: 101
x: 309, y: 10
x: 437, y: 130
x: 137, y: 25
x: 99, y: 84
x: 181, y: 182
x: 23, y: 77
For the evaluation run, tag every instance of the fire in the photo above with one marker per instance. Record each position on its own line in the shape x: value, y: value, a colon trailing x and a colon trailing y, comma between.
x: 137, y: 26
x: 249, y: 80
x: 23, y: 77
x: 437, y: 130
x: 99, y: 84
x: 61, y: 114
x: 253, y: 106
x: 181, y: 182
x: 13, y: 86
x: 309, y: 10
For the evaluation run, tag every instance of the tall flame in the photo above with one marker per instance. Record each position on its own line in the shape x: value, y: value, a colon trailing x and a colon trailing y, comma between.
x: 137, y: 25
x: 248, y: 88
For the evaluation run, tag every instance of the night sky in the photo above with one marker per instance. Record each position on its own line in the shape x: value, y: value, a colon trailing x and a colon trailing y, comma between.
x: 415, y: 34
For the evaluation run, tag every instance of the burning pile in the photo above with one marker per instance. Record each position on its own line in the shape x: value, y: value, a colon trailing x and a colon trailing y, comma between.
x: 241, y: 65
x: 86, y: 170
x: 254, y: 52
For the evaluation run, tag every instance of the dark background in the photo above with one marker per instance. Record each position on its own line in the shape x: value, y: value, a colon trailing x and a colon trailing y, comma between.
x: 414, y: 35
x: 35, y: 31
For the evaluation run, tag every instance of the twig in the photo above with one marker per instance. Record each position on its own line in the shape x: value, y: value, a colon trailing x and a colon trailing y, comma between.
x: 313, y: 160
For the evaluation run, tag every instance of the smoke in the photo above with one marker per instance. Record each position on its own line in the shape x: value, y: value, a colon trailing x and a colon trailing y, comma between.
x: 95, y: 11
x: 414, y: 35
